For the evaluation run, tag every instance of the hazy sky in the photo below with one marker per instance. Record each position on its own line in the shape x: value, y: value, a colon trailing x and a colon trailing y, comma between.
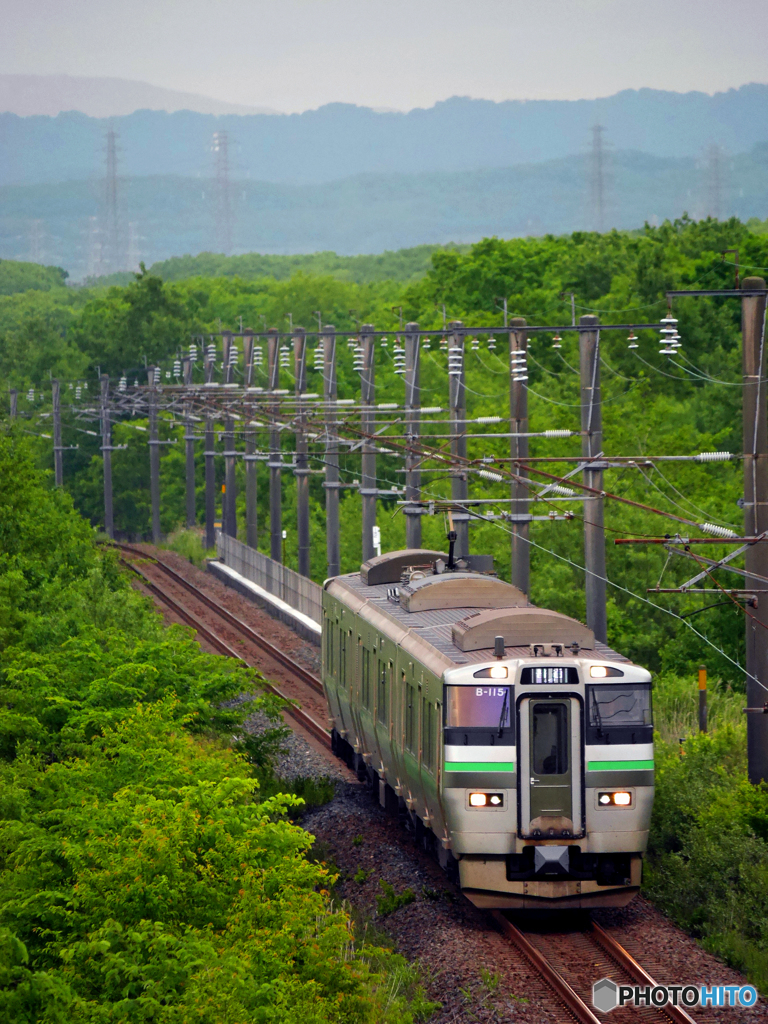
x: 297, y: 54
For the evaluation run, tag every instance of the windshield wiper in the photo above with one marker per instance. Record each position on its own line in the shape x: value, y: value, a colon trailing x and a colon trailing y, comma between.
x: 503, y: 712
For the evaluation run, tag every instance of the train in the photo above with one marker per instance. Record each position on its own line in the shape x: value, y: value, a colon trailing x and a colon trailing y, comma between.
x: 519, y: 748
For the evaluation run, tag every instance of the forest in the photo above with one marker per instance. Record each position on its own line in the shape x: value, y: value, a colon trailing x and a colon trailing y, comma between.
x: 708, y: 861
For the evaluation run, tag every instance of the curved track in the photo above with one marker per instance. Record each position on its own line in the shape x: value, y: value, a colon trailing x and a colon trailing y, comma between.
x: 568, y: 962
x: 228, y: 630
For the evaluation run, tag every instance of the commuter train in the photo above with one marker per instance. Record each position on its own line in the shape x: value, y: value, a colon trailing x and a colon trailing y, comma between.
x: 519, y: 746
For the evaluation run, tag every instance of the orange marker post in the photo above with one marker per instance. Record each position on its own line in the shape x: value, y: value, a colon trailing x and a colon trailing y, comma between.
x: 702, y: 698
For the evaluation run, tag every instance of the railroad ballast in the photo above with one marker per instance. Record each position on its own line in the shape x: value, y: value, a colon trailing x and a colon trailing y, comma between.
x: 520, y: 747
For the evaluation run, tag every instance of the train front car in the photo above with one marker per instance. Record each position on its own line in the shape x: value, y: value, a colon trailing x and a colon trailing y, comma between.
x: 506, y: 731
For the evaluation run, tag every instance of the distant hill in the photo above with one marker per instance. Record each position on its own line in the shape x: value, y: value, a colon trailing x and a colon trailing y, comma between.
x: 340, y: 140
x: 23, y: 277
x: 28, y: 95
x: 371, y: 212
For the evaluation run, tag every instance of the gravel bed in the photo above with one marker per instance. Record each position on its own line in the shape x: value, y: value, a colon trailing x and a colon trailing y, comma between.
x: 300, y: 760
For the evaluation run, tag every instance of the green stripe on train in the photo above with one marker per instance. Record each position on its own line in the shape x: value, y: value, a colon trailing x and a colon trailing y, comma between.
x: 479, y: 766
x: 619, y: 766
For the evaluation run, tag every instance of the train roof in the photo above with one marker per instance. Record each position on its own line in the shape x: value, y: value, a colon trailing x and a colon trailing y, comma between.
x: 460, y: 632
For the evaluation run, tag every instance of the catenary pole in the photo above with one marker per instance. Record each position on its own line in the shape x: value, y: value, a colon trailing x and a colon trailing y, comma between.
x: 330, y: 395
x: 210, y: 460
x: 755, y: 515
x: 413, y: 430
x: 251, y: 462
x: 301, y: 469
x: 229, y: 512
x: 106, y: 453
x: 591, y: 446
x: 189, y: 448
x: 368, y: 426
x: 58, y: 452
x: 154, y: 456
x: 518, y: 445
x: 275, y: 456
x: 458, y: 414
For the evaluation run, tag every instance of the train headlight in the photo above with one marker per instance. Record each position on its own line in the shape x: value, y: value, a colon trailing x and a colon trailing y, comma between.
x: 618, y: 798
x: 494, y: 800
x: 598, y: 671
x: 498, y: 671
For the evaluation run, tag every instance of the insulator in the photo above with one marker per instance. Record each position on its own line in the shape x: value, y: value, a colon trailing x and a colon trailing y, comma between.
x: 31, y: 395
x: 717, y: 531
x: 426, y: 345
x: 176, y: 368
x: 123, y: 384
x: 78, y: 391
x: 432, y: 408
x: 518, y: 379
x: 474, y: 344
x: 193, y: 352
x: 233, y: 355
x: 488, y: 419
x: 666, y: 351
x: 565, y: 492
x: 558, y: 433
x: 488, y: 475
x: 157, y: 375
x: 85, y: 386
x: 351, y: 342
x: 713, y: 457
x: 668, y: 320
x: 400, y: 370
x: 71, y: 386
x: 384, y: 343
x: 167, y: 374
x: 492, y: 344
x: 136, y: 382
x: 443, y: 344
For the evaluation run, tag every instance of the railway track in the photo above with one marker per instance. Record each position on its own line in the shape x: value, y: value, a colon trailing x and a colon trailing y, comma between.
x: 154, y: 573
x: 570, y: 962
x: 567, y: 962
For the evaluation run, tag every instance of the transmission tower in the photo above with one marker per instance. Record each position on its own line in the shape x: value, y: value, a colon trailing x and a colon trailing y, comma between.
x: 597, y: 179
x: 134, y: 252
x: 715, y: 182
x: 95, y: 263
x: 223, y: 205
x: 112, y: 261
x: 36, y: 241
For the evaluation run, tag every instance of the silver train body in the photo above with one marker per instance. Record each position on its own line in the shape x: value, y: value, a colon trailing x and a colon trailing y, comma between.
x: 527, y: 761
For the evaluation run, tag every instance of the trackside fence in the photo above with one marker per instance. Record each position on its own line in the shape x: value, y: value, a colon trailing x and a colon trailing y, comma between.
x: 278, y: 580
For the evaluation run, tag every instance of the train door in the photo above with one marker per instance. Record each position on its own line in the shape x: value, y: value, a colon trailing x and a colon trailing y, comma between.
x: 550, y: 767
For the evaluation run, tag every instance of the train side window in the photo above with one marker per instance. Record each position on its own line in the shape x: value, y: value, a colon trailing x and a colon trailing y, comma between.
x: 382, y: 695
x: 342, y: 660
x: 366, y: 678
x: 428, y: 735
x: 411, y: 712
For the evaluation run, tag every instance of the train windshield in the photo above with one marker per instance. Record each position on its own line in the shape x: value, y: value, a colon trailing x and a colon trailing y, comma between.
x: 616, y: 705
x: 478, y: 707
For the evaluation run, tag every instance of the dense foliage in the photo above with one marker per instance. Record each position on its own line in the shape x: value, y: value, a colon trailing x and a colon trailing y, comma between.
x: 142, y: 878
x: 22, y: 277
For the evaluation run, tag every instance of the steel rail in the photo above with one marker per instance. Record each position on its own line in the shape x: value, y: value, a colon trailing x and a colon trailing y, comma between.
x: 573, y: 1002
x: 305, y: 720
x: 256, y: 638
x: 628, y: 963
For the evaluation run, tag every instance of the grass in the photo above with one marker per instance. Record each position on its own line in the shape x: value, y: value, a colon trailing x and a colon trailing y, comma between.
x: 676, y: 707
x: 189, y: 544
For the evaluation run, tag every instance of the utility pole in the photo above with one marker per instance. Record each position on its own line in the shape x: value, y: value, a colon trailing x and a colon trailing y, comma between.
x: 591, y: 446
x: 368, y: 489
x: 14, y: 398
x: 106, y: 454
x: 755, y: 515
x: 518, y: 449
x: 210, y: 460
x: 458, y: 415
x: 58, y: 457
x: 189, y: 448
x: 229, y: 512
x: 413, y: 430
x: 251, y: 462
x: 275, y: 456
x: 301, y: 470
x: 154, y: 456
x: 330, y: 395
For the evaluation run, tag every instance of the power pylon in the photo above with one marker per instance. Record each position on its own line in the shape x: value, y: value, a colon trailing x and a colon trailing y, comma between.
x: 597, y: 179
x: 112, y: 259
x: 134, y: 251
x: 223, y: 204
